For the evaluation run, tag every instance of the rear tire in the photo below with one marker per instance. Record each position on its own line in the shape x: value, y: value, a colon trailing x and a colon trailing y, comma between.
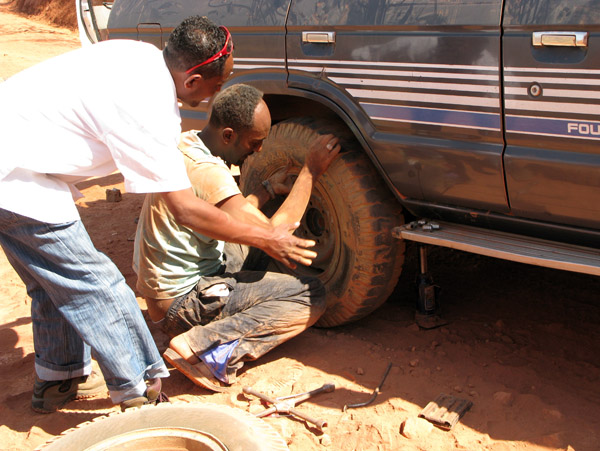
x: 350, y: 215
x: 172, y: 426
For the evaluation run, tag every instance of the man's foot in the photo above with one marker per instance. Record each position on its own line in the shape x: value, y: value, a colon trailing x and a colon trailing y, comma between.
x: 198, y: 373
x: 49, y: 396
x: 181, y: 347
x: 153, y: 395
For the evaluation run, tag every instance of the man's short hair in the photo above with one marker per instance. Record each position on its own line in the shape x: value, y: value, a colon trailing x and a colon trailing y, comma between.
x: 234, y: 107
x: 193, y: 41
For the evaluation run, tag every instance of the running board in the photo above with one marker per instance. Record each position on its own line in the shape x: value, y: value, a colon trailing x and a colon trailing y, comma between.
x: 503, y: 245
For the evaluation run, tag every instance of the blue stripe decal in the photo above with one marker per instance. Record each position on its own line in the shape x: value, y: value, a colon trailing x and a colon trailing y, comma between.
x: 469, y: 119
x: 556, y: 127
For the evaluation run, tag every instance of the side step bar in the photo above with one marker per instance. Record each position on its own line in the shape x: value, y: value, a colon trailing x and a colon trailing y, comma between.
x: 503, y: 245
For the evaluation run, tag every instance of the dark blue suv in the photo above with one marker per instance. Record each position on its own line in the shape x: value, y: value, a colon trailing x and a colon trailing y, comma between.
x: 472, y: 124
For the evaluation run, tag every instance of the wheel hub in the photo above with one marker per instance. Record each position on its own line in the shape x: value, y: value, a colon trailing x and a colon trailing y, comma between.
x: 315, y: 222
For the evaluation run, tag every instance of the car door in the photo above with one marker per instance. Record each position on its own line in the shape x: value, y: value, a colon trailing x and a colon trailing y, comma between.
x: 552, y: 99
x: 92, y: 20
x: 420, y: 80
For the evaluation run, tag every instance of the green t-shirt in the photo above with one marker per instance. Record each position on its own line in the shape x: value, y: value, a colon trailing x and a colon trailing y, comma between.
x: 169, y: 258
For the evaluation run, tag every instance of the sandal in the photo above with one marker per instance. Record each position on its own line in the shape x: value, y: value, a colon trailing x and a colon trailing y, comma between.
x: 198, y: 373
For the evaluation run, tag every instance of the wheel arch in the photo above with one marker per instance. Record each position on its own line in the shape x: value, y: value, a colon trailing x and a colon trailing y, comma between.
x: 320, y: 99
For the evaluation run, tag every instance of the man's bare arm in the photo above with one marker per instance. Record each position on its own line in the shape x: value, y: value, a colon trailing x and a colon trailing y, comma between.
x: 279, y: 184
x: 243, y: 210
x: 322, y: 152
x: 278, y: 242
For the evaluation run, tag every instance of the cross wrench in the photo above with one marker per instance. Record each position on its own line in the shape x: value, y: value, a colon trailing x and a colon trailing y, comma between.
x: 287, y: 404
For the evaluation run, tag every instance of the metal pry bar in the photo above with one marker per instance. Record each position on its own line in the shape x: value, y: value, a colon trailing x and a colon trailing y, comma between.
x: 373, y: 395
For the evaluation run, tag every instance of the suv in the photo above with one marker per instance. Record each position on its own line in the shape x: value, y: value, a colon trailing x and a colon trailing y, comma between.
x: 482, y: 116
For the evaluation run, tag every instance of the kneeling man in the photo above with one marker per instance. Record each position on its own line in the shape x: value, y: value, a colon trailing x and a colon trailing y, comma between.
x: 216, y: 300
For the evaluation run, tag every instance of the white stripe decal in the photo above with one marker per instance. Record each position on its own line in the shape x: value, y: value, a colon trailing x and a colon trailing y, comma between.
x: 473, y: 68
x: 396, y: 73
x: 566, y: 81
x: 393, y: 64
x: 574, y: 93
x: 551, y: 134
x: 517, y: 91
x: 248, y: 67
x: 433, y: 116
x: 261, y: 60
x: 445, y: 124
x: 425, y: 98
x: 549, y: 70
x: 532, y: 105
x: 332, y: 67
x: 416, y: 85
x: 548, y: 118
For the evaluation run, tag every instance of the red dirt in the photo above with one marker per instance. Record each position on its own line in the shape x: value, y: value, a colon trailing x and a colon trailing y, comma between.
x: 522, y: 342
x: 60, y: 13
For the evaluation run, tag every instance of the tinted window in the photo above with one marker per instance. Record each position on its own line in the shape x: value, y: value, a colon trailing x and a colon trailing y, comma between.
x: 246, y: 12
x: 396, y: 12
x: 541, y: 12
x: 171, y: 13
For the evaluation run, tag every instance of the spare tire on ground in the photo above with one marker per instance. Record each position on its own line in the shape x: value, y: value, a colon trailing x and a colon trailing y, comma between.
x: 198, y: 427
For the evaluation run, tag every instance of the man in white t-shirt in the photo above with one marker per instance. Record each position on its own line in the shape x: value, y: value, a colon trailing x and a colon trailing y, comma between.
x: 109, y: 106
x: 217, y: 300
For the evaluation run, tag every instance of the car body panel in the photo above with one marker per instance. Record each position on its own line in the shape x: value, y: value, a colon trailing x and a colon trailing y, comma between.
x: 552, y: 157
x: 405, y: 67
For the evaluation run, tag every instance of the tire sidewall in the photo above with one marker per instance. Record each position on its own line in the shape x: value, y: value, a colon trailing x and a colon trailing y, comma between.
x: 235, y: 428
x: 349, y: 196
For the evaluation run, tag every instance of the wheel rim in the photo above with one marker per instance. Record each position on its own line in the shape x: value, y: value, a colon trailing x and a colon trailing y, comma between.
x: 156, y: 439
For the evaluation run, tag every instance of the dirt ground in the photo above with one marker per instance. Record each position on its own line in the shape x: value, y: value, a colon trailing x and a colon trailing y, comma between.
x: 522, y: 343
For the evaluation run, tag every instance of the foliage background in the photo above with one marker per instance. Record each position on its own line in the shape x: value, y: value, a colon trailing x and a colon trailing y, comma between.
x: 58, y: 12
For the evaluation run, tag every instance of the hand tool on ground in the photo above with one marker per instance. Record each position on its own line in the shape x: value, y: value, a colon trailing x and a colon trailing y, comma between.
x: 445, y: 411
x: 373, y: 395
x: 287, y: 404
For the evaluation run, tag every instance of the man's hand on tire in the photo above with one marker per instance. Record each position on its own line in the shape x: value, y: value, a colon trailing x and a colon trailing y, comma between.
x: 322, y: 152
x: 289, y: 249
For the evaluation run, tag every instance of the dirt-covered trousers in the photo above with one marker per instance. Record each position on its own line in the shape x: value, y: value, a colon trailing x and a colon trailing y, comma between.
x: 262, y: 308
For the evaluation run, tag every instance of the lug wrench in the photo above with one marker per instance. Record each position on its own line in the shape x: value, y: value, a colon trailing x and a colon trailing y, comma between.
x: 287, y: 404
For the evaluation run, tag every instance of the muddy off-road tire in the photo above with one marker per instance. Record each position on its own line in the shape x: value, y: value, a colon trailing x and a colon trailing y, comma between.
x: 197, y: 427
x: 350, y: 215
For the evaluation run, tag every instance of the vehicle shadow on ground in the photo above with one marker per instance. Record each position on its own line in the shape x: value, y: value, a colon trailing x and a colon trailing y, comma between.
x: 521, y: 343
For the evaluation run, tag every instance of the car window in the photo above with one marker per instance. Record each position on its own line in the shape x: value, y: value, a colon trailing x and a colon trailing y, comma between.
x: 541, y: 12
x: 396, y: 12
x: 169, y: 14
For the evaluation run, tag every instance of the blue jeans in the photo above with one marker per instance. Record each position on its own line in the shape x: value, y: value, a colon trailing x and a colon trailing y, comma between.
x: 80, y: 305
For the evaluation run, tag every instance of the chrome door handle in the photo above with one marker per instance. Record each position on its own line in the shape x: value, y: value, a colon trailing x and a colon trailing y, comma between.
x: 560, y: 38
x: 318, y: 37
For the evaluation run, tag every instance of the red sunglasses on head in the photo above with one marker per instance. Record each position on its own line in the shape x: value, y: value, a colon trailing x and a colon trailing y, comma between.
x: 221, y: 53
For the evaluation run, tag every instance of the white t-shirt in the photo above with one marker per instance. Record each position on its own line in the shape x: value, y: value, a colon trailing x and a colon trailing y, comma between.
x: 87, y: 113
